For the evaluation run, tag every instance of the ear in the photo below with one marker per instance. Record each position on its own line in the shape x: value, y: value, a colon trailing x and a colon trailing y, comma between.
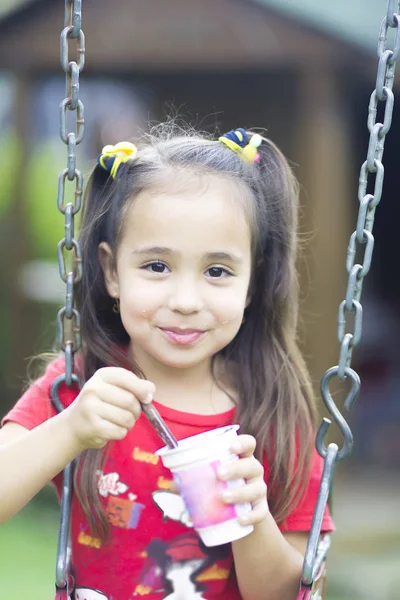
x: 107, y: 262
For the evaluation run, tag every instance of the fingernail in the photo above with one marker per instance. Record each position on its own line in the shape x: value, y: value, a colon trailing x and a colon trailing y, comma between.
x: 148, y: 398
x: 223, y: 472
x: 227, y: 496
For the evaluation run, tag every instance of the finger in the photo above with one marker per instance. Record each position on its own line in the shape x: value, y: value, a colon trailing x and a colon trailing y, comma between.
x: 117, y: 416
x: 252, y: 492
x: 255, y: 516
x: 244, y: 445
x: 110, y: 431
x: 124, y: 378
x: 247, y: 468
x: 115, y: 396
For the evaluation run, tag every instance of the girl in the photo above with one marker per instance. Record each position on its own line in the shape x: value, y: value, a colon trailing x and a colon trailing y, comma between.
x: 188, y: 296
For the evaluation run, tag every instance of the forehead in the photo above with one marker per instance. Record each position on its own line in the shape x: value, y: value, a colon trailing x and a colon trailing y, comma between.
x: 202, y: 211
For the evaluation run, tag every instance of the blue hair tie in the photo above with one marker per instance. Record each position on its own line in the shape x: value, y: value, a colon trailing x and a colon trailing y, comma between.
x: 237, y: 136
x: 245, y: 146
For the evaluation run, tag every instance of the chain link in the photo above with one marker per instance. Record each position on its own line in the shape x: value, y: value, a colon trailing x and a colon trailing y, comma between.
x: 69, y: 256
x: 371, y: 174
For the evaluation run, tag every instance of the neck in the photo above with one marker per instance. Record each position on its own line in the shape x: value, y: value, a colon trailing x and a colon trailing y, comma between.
x: 189, y: 389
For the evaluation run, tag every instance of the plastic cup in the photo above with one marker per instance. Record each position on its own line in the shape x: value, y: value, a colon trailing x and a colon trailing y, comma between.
x: 194, y: 465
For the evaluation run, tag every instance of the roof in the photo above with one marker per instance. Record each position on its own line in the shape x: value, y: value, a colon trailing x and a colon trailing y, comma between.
x: 7, y: 7
x: 354, y: 21
x: 347, y: 20
x: 201, y: 34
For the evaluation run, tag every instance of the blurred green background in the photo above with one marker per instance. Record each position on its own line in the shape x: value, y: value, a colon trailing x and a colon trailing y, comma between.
x: 305, y: 72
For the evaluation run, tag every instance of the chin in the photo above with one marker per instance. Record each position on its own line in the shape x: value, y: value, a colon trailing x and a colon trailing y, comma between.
x: 181, y: 359
x: 180, y: 363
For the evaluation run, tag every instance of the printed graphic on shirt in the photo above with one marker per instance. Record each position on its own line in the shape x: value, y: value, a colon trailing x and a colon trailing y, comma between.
x: 121, y: 512
x: 172, y: 507
x: 179, y: 567
x: 87, y: 540
x: 109, y: 484
x: 146, y: 457
x: 89, y: 594
x: 213, y: 573
x: 124, y: 512
x: 163, y: 483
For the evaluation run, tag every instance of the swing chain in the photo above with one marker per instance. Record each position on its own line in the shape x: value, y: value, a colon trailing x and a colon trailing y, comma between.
x: 361, y: 244
x: 69, y: 260
x: 69, y: 251
x: 382, y: 96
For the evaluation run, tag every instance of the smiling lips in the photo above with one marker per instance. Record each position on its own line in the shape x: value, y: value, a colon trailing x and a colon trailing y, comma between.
x: 182, y: 337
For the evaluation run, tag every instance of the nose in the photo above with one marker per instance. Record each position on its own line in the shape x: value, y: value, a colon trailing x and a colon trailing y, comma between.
x: 185, y: 296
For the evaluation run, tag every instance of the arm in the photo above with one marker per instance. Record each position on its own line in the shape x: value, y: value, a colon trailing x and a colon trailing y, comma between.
x: 105, y: 410
x: 31, y: 459
x: 268, y: 566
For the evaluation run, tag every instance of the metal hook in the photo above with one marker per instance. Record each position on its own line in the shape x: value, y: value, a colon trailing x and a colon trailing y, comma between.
x: 312, y: 562
x: 335, y: 412
x: 55, y: 386
x: 63, y: 546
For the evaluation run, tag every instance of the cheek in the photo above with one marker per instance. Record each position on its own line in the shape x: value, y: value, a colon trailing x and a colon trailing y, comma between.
x: 230, y: 307
x: 138, y: 301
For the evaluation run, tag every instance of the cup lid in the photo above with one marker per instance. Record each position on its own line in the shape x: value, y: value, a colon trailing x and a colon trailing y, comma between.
x: 198, y: 447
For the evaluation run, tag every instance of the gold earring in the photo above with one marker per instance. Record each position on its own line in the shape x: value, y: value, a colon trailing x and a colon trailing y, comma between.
x: 116, y: 306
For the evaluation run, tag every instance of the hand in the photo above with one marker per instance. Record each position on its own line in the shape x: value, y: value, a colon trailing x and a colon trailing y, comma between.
x: 250, y: 469
x: 107, y: 407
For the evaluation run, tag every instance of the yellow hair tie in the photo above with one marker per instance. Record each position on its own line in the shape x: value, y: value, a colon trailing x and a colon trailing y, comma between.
x: 250, y: 152
x: 120, y: 153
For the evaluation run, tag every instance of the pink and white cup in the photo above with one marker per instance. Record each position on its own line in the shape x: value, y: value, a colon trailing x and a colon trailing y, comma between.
x: 194, y: 465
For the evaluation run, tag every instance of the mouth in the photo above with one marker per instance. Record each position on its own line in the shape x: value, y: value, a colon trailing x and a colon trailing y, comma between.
x: 182, y: 337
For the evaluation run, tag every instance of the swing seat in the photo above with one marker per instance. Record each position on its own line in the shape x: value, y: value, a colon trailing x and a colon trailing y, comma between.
x: 318, y: 588
x: 63, y: 593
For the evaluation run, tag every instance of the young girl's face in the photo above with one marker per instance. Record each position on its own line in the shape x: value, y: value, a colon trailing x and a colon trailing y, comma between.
x: 182, y: 271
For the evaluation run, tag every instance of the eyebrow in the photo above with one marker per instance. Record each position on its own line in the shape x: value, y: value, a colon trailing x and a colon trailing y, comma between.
x: 163, y: 250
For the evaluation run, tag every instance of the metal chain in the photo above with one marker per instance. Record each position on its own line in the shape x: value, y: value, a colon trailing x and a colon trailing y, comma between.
x: 361, y: 242
x: 69, y: 258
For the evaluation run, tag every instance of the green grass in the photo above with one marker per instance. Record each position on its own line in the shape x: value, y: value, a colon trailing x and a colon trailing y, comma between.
x: 28, y: 544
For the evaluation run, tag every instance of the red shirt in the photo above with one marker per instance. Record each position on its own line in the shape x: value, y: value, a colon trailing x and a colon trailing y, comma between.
x: 153, y: 551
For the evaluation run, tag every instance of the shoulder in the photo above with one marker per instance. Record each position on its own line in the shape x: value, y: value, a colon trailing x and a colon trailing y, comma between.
x: 55, y: 369
x: 35, y: 406
x: 315, y: 469
x: 301, y: 516
x: 51, y: 372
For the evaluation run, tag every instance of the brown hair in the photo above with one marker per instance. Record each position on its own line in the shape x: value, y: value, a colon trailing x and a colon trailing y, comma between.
x: 275, y: 394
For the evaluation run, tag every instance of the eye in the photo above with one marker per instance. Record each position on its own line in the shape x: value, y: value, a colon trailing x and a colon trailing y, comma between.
x: 218, y: 272
x: 155, y: 267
